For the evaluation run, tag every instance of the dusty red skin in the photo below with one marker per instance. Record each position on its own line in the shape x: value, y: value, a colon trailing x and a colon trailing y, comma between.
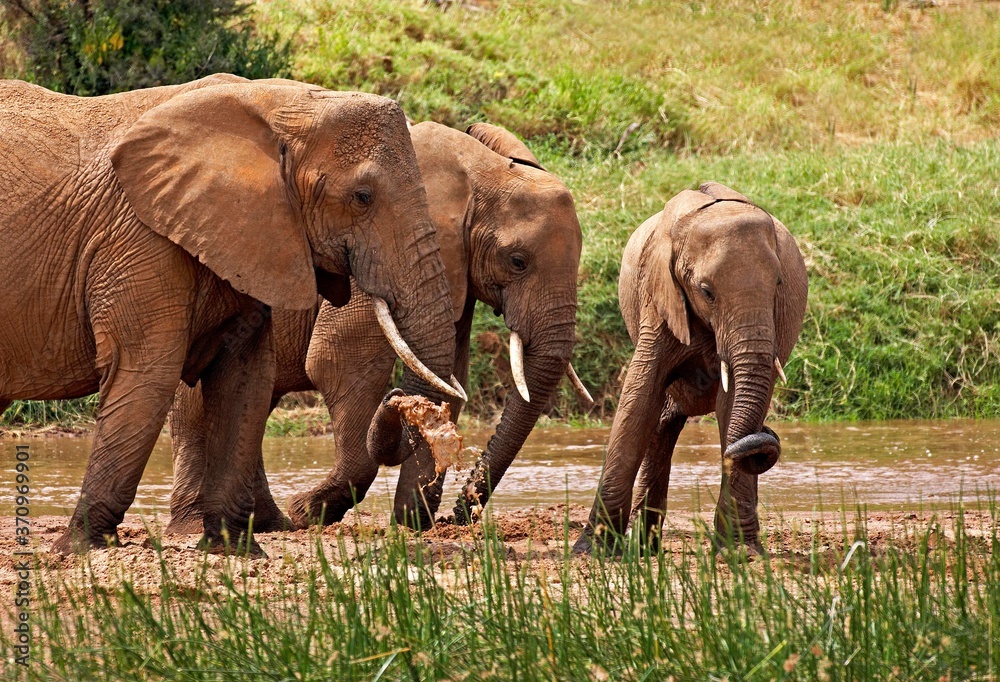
x: 435, y: 425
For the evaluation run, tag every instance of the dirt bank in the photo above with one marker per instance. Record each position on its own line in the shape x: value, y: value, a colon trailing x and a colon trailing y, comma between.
x: 536, y: 536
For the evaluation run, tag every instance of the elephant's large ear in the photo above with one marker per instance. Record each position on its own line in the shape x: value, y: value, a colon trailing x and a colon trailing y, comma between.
x: 504, y: 143
x: 657, y: 265
x: 657, y: 262
x: 204, y: 170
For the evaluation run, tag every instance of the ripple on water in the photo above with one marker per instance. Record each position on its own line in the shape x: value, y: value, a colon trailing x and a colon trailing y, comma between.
x: 883, y: 465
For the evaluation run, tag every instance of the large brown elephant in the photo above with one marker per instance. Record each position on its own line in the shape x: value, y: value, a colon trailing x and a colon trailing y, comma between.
x: 143, y: 237
x: 713, y: 292
x: 509, y: 237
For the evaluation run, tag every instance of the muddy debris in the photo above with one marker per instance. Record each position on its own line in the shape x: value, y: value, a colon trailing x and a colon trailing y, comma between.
x: 435, y: 425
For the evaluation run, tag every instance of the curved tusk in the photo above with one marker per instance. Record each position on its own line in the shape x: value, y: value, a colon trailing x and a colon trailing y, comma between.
x: 724, y: 369
x: 781, y: 372
x: 577, y: 384
x: 458, y: 387
x: 517, y: 365
x: 408, y: 357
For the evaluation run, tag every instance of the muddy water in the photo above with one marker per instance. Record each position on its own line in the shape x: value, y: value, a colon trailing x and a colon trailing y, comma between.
x: 887, y: 465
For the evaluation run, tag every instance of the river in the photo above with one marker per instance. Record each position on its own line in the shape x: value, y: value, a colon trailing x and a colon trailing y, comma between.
x: 884, y: 465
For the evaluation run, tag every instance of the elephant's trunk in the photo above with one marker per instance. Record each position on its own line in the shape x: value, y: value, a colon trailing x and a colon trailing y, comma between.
x: 418, y: 299
x: 749, y: 445
x: 544, y: 365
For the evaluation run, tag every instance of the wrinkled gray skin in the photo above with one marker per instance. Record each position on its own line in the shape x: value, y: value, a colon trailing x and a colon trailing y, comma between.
x: 143, y: 237
x: 711, y: 278
x: 490, y: 203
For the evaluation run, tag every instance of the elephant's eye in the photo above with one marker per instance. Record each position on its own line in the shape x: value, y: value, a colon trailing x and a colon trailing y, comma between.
x: 363, y: 197
x: 518, y: 262
x: 706, y: 291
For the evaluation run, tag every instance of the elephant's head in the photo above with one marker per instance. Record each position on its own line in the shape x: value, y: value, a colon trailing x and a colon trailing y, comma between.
x: 510, y: 237
x: 720, y: 272
x: 284, y: 189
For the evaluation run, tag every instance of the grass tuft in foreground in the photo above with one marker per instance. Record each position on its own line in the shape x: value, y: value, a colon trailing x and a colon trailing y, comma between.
x: 923, y: 604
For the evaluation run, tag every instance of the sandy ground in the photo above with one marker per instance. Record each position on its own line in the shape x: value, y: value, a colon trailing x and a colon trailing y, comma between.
x: 535, y: 536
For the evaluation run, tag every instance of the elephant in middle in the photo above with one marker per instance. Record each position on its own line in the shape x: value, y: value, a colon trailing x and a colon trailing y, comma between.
x: 509, y: 237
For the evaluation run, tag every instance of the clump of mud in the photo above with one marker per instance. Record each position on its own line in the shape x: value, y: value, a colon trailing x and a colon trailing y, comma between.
x: 435, y: 425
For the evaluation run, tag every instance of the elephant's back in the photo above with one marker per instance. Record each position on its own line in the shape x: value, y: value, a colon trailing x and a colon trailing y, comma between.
x: 629, y: 293
x: 34, y: 120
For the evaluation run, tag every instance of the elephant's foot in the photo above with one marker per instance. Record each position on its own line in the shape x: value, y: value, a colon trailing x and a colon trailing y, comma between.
x: 419, y: 518
x: 466, y: 511
x: 308, y: 508
x: 599, y: 540
x: 222, y: 542
x: 77, y: 541
x: 185, y: 524
x: 746, y: 549
x: 267, y: 518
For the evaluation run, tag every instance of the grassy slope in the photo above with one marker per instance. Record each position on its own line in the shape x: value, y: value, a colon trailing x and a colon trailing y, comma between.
x: 868, y: 132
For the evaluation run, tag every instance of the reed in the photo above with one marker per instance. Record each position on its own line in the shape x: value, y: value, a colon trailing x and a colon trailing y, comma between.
x: 920, y: 603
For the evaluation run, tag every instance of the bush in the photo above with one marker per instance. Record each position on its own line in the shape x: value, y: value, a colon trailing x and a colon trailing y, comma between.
x: 97, y: 47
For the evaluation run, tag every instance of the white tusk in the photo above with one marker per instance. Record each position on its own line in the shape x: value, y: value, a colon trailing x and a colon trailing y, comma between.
x: 517, y: 365
x: 458, y: 387
x: 577, y: 384
x: 781, y: 372
x: 725, y: 377
x: 408, y: 357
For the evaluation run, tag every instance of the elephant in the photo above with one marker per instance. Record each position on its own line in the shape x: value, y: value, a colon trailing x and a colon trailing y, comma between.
x: 713, y: 292
x: 510, y: 238
x: 146, y: 236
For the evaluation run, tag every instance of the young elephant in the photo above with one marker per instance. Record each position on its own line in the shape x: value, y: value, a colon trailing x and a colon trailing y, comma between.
x: 713, y: 292
x: 509, y: 237
x: 144, y: 235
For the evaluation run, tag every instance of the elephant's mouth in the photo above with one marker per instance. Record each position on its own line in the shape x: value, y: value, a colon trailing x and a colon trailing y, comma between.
x: 756, y: 453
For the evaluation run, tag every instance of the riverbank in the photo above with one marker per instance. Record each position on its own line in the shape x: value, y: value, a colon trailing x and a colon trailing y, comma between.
x: 846, y: 596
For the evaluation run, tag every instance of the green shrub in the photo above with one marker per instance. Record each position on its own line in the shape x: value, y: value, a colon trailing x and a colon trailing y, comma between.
x: 99, y: 47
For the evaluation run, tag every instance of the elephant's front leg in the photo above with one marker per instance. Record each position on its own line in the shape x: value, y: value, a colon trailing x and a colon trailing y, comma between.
x: 631, y: 432
x: 236, y: 391
x: 419, y: 488
x: 140, y: 354
x: 650, y: 505
x: 350, y: 362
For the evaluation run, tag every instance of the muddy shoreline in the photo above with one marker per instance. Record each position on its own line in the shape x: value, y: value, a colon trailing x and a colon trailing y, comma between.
x: 536, y: 537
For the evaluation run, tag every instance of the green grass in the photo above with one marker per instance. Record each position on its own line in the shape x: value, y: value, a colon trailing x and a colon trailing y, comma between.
x: 902, y: 242
x: 868, y: 128
x: 856, y: 608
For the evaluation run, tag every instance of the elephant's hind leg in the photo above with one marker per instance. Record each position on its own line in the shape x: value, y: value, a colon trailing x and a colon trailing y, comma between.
x: 236, y: 392
x: 187, y: 434
x: 650, y: 504
x: 267, y: 516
